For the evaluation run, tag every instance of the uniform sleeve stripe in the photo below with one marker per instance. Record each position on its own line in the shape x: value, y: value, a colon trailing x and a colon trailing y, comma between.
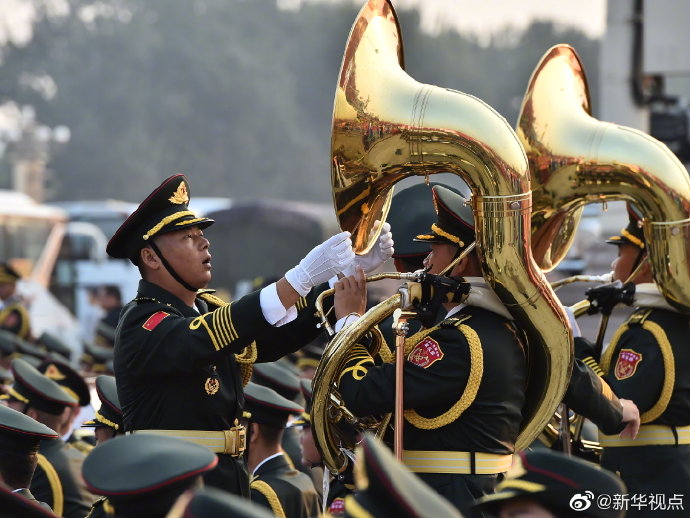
x: 219, y: 327
x: 227, y: 323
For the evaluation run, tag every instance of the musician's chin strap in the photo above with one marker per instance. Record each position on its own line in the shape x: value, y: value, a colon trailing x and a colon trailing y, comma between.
x: 170, y: 269
x: 437, y: 290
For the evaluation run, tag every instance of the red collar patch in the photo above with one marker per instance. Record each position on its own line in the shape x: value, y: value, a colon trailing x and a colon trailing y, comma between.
x: 154, y: 320
x: 626, y: 364
x: 425, y: 353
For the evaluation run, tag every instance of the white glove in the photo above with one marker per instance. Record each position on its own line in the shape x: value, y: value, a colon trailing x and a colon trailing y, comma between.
x: 379, y: 253
x: 323, y: 262
x: 573, y: 321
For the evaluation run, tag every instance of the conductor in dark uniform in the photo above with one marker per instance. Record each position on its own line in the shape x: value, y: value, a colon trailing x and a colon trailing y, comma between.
x: 274, y: 483
x: 648, y: 361
x: 179, y: 349
x: 56, y: 480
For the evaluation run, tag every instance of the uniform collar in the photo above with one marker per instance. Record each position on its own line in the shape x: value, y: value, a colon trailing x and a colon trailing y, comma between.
x: 153, y: 291
x: 482, y: 296
x: 647, y: 295
x: 275, y: 461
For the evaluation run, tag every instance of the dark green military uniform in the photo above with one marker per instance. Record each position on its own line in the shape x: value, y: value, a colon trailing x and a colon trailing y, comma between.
x: 275, y: 483
x: 648, y: 362
x: 14, y: 505
x: 385, y: 488
x: 176, y: 366
x: 20, y: 438
x: 143, y: 475
x: 562, y: 485
x: 284, y: 382
x: 14, y: 316
x: 56, y: 480
x: 464, y: 382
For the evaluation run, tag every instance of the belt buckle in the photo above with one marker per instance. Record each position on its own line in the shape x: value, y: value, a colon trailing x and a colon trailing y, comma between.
x: 235, y: 440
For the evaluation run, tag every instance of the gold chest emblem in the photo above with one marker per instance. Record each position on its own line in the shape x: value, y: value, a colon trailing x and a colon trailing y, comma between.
x: 212, y: 386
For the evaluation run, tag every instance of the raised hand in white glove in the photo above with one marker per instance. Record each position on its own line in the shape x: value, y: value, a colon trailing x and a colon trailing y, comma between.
x: 379, y: 253
x: 573, y: 321
x: 323, y: 262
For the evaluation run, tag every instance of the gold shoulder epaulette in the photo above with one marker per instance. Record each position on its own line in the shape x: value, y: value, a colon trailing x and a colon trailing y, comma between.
x: 638, y: 317
x: 455, y: 321
x: 212, y: 299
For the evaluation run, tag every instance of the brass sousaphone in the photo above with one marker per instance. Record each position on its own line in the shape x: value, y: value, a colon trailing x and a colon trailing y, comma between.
x: 576, y: 159
x: 386, y: 127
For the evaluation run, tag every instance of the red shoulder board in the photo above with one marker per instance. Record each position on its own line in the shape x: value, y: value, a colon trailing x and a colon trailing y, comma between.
x: 425, y: 353
x: 626, y: 364
x: 337, y: 507
x: 154, y: 320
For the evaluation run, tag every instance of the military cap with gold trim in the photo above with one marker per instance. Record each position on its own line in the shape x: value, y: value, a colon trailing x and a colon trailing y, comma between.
x: 214, y: 503
x: 110, y: 413
x: 386, y: 488
x: 309, y: 356
x: 96, y: 357
x: 36, y: 390
x: 164, y: 210
x: 454, y: 219
x: 53, y: 344
x: 14, y: 505
x: 20, y: 433
x: 554, y: 480
x: 69, y: 379
x: 304, y: 419
x: 268, y: 407
x: 633, y: 233
x: 276, y: 377
x: 8, y: 274
x: 143, y: 475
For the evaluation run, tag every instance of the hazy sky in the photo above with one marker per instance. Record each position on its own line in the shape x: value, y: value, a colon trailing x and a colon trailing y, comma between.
x: 481, y: 17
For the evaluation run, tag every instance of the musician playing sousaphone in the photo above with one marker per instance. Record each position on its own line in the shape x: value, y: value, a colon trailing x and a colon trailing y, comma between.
x: 464, y: 377
x: 648, y: 361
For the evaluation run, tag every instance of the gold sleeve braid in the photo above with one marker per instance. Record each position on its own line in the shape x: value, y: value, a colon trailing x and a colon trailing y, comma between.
x: 361, y: 356
x: 270, y: 495
x: 247, y: 357
x: 468, y: 395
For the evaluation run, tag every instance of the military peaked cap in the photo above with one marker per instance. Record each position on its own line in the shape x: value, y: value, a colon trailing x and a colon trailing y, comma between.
x: 54, y: 345
x: 36, y: 390
x: 309, y: 356
x: 8, y: 274
x: 454, y: 219
x: 554, y: 480
x: 304, y: 419
x: 633, y: 233
x: 386, y: 488
x: 69, y: 379
x: 267, y: 406
x: 214, y: 503
x: 20, y: 433
x: 276, y: 377
x: 110, y: 413
x: 164, y: 210
x: 143, y: 475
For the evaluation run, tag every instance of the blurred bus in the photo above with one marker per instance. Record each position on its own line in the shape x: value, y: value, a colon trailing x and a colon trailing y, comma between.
x: 257, y: 241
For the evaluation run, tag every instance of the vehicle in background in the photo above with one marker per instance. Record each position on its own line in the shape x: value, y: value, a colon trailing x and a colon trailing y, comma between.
x: 30, y: 239
x: 253, y: 242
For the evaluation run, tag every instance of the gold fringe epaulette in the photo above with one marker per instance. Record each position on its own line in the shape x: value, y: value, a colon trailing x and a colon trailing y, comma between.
x: 209, y: 297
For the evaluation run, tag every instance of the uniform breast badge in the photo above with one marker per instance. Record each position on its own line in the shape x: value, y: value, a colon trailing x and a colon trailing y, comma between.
x: 212, y: 384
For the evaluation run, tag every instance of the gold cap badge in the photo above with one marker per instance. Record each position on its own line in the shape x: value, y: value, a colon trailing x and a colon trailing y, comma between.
x: 180, y: 196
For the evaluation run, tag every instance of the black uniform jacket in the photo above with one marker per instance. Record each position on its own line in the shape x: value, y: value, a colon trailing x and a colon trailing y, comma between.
x: 176, y: 370
x: 275, y: 483
x: 437, y: 373
x: 57, y: 480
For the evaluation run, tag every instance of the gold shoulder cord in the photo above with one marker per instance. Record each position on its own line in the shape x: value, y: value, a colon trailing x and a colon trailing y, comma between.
x: 468, y: 395
x: 55, y: 484
x: 669, y: 366
x: 266, y: 490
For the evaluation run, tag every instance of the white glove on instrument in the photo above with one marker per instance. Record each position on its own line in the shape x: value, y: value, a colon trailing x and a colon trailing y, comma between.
x: 573, y: 322
x: 379, y: 253
x: 323, y: 262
